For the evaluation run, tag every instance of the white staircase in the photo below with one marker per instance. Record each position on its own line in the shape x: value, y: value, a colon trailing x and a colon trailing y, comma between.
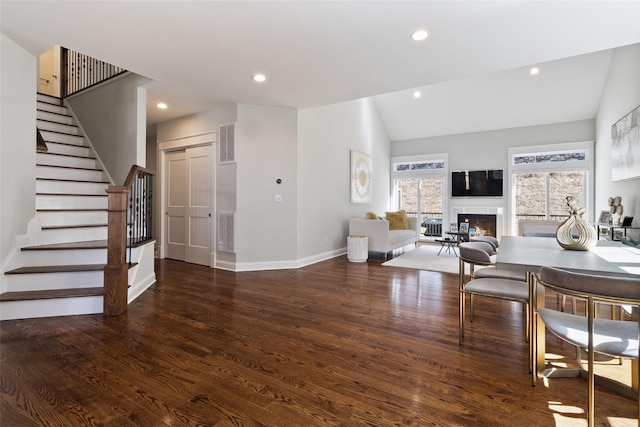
x: 63, y: 274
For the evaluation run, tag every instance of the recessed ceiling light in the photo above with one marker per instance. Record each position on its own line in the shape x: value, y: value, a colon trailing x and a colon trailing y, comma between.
x: 534, y: 70
x: 161, y: 105
x: 419, y: 35
x: 417, y: 94
x: 259, y: 77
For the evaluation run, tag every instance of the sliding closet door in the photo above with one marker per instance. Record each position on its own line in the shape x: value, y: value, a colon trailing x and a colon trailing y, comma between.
x: 199, y: 207
x: 176, y: 174
x: 189, y: 205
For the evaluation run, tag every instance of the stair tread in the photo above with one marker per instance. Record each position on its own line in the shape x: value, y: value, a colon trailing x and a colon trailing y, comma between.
x: 50, y: 294
x: 57, y: 269
x: 70, y: 155
x: 72, y: 210
x: 48, y: 97
x: 69, y: 167
x: 73, y: 180
x: 54, y: 112
x: 68, y: 144
x: 90, y: 244
x: 72, y: 194
x: 63, y: 227
x: 61, y: 133
x: 57, y: 123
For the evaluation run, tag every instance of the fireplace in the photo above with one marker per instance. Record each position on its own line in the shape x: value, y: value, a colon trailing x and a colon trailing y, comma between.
x: 485, y: 224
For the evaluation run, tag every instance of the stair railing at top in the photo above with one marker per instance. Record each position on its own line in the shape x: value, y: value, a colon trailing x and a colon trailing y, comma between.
x: 130, y: 213
x: 80, y: 71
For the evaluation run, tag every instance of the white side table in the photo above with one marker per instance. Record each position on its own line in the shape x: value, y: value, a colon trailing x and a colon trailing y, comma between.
x: 357, y: 248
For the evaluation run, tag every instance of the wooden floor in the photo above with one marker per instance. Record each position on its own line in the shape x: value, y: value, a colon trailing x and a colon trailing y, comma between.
x: 332, y: 344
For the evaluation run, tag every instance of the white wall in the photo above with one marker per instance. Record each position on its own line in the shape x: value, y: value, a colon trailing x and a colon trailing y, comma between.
x: 18, y: 83
x: 114, y: 117
x: 620, y: 96
x: 326, y: 136
x: 266, y: 148
x: 309, y: 150
x: 488, y: 150
x: 225, y: 175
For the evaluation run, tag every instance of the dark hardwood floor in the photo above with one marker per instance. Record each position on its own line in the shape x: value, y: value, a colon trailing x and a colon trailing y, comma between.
x: 331, y: 344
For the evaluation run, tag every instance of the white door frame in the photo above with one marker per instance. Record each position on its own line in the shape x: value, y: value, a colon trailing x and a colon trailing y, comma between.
x: 183, y: 143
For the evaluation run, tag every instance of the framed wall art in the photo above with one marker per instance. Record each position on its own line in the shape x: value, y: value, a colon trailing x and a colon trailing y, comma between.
x: 360, y: 177
x: 625, y: 147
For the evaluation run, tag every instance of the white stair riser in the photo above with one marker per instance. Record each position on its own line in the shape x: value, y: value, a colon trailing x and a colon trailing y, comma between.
x: 70, y: 187
x: 74, y: 162
x: 56, y: 127
x: 64, y: 173
x: 10, y: 310
x: 43, y: 106
x: 53, y: 117
x: 71, y: 202
x: 49, y: 219
x: 60, y: 137
x: 51, y: 281
x: 47, y: 98
x: 70, y: 235
x: 73, y: 150
x: 64, y: 257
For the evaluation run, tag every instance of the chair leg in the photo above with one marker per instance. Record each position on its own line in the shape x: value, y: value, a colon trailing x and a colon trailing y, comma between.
x: 533, y: 329
x: 461, y: 298
x: 638, y: 382
x: 471, y: 306
x: 591, y: 308
x: 527, y: 318
x: 590, y: 409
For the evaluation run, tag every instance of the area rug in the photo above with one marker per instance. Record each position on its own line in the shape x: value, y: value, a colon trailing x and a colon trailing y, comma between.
x: 425, y: 257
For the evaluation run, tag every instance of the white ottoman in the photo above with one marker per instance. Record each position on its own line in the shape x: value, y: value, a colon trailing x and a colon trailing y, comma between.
x: 357, y: 248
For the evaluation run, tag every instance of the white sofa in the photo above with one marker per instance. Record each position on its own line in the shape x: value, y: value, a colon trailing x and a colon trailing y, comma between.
x: 381, y: 239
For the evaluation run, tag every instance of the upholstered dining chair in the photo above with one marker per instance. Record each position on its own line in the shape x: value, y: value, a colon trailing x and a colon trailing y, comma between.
x: 476, y: 254
x: 489, y: 269
x: 488, y: 239
x: 615, y: 338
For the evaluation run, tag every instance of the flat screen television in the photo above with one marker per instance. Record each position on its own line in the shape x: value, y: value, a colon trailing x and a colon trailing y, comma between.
x: 477, y: 183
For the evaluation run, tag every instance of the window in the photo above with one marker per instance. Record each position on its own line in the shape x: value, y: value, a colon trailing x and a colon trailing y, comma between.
x: 419, y: 186
x: 543, y: 195
x: 542, y: 177
x: 418, y: 165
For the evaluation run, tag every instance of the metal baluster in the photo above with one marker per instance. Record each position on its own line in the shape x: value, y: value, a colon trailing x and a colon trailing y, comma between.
x: 150, y: 207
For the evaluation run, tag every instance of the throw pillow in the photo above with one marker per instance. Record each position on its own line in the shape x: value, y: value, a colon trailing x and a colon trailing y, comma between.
x: 371, y: 215
x: 398, y: 220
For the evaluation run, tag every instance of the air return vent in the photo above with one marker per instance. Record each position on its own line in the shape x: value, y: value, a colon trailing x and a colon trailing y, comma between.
x: 227, y: 232
x: 227, y: 137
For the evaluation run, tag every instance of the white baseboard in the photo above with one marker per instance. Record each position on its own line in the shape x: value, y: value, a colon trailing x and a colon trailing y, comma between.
x: 283, y: 265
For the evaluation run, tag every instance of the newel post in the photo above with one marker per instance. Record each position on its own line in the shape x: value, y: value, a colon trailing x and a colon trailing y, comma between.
x: 116, y: 272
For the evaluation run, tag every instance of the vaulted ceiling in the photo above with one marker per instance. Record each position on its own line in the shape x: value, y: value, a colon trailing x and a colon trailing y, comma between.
x: 472, y: 71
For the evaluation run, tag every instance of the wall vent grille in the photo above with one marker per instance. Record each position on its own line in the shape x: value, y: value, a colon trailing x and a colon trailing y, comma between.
x: 227, y: 232
x: 227, y: 152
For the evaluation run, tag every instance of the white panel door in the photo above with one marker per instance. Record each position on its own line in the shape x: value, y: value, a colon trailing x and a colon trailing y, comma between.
x: 176, y: 173
x: 199, y: 206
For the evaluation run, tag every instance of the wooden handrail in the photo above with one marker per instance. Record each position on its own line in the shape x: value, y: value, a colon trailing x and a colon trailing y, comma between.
x: 129, y: 222
x: 132, y: 174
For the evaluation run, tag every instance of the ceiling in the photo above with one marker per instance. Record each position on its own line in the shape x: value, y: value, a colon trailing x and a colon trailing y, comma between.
x: 472, y: 71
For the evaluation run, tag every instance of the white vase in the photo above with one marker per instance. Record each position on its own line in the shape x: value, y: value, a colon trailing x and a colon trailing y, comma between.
x: 586, y: 239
